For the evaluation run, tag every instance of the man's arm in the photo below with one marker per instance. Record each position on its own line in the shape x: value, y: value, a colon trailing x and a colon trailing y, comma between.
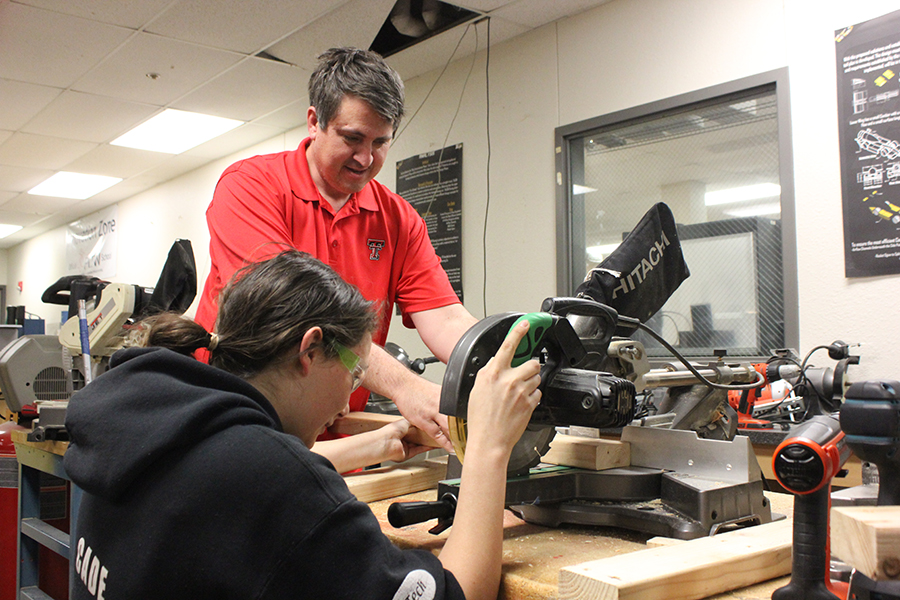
x: 440, y: 328
x: 417, y: 398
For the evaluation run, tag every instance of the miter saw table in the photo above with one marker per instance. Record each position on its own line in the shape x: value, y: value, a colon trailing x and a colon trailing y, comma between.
x: 689, y: 475
x: 678, y: 486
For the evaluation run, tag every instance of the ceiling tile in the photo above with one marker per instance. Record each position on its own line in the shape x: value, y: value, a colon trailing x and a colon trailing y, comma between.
x: 21, y: 179
x: 121, y: 191
x: 171, y: 168
x: 237, y: 24
x: 87, y: 117
x: 175, y: 166
x: 115, y: 12
x: 34, y: 225
x: 21, y: 101
x: 116, y: 161
x: 48, y: 48
x: 482, y: 5
x: 236, y: 94
x: 233, y: 141
x: 14, y: 217
x: 356, y: 23
x: 41, y: 151
x: 180, y: 67
x: 535, y: 13
x: 38, y: 205
x: 286, y: 117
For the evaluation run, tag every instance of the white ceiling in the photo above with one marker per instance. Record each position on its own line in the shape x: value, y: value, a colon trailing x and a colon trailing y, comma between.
x: 75, y: 74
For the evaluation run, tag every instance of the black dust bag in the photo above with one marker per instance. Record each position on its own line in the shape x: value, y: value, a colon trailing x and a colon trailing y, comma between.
x: 643, y: 272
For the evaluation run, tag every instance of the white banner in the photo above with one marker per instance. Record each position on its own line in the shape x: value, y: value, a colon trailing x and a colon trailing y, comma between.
x: 91, y: 244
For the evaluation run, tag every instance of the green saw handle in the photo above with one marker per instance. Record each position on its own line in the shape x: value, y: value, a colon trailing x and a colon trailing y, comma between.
x: 539, y: 323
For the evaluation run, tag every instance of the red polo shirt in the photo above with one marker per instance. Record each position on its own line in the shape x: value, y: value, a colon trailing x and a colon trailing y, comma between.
x: 376, y: 241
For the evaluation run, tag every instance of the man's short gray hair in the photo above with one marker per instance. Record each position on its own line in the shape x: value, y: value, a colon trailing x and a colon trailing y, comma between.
x: 355, y: 72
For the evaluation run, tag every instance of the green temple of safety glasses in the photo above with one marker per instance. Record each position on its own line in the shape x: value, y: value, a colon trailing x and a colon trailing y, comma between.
x: 353, y: 362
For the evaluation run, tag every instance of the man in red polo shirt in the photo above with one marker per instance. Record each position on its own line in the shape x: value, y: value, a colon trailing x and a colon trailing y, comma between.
x: 322, y: 199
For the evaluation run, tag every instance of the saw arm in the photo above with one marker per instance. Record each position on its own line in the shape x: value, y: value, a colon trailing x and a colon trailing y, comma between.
x: 588, y: 377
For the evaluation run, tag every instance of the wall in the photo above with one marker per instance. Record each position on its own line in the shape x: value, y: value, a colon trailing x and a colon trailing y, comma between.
x: 622, y: 54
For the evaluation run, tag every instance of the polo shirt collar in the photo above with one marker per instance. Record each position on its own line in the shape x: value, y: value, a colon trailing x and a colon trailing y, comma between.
x: 306, y: 190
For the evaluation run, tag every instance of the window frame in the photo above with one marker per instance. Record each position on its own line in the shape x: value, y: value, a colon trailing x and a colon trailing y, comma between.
x: 568, y: 276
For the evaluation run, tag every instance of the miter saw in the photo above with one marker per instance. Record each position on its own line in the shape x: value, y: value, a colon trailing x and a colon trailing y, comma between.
x: 40, y: 371
x: 689, y: 475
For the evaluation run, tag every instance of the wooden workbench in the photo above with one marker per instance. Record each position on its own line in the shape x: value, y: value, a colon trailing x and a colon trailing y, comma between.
x: 533, y: 555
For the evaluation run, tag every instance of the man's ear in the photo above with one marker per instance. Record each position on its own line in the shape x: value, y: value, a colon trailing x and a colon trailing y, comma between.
x: 312, y: 122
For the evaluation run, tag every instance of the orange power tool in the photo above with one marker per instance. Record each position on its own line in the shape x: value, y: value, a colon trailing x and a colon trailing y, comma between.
x: 804, y: 464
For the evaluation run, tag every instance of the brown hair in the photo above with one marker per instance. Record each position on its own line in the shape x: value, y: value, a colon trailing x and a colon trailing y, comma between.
x: 355, y: 72
x: 266, y: 309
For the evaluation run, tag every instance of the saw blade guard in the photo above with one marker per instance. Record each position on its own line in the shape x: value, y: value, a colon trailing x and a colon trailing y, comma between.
x: 570, y: 395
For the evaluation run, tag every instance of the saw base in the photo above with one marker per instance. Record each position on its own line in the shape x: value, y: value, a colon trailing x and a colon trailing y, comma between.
x: 653, y: 501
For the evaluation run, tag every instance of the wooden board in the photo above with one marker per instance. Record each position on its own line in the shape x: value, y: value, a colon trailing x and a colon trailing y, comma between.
x: 868, y: 539
x: 396, y: 480
x: 53, y: 446
x: 588, y: 453
x: 361, y: 422
x: 687, y: 571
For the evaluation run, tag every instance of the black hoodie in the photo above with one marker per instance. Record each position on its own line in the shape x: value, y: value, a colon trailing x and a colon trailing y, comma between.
x: 192, y: 490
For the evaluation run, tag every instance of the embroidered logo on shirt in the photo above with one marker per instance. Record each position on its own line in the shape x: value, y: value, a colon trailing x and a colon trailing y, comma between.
x: 418, y: 585
x: 375, y: 246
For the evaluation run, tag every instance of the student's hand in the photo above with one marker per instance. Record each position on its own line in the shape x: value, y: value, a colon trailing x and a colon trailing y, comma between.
x: 396, y: 447
x: 503, y: 398
x: 419, y: 404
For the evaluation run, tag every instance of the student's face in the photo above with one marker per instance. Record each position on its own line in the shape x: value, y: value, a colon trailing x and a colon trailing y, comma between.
x: 334, y: 382
x: 350, y: 151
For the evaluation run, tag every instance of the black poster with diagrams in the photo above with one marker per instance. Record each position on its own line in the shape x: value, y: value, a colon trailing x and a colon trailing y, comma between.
x: 868, y: 84
x: 432, y: 183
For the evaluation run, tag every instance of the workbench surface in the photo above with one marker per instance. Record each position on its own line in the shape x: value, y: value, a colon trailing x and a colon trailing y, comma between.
x: 533, y: 555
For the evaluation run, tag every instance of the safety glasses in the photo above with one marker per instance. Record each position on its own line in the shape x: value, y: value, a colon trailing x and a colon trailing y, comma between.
x: 353, y: 363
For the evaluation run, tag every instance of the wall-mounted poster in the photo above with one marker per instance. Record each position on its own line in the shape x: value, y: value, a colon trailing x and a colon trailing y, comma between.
x: 91, y: 244
x: 432, y: 183
x: 868, y: 84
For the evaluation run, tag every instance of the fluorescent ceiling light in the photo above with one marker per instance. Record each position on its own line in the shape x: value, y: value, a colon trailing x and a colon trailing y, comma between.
x: 742, y: 194
x: 581, y: 189
x: 6, y: 230
x: 760, y: 210
x: 175, y: 131
x: 73, y: 185
x: 598, y: 253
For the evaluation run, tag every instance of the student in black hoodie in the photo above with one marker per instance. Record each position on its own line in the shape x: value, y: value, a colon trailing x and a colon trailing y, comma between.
x: 199, y: 481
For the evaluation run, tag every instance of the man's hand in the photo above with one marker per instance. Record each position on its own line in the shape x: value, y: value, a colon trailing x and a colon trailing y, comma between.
x: 417, y: 398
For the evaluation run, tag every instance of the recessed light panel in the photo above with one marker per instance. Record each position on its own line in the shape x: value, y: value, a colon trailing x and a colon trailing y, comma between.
x: 78, y: 186
x: 743, y: 194
x: 6, y: 230
x: 175, y: 131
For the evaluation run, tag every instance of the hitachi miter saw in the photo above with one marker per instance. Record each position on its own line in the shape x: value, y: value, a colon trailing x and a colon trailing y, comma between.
x: 689, y: 474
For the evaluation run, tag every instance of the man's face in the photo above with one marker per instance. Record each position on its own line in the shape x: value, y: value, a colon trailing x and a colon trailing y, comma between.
x: 350, y: 151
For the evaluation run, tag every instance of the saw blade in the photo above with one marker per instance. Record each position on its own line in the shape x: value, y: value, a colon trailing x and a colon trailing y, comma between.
x: 471, y: 353
x: 527, y: 453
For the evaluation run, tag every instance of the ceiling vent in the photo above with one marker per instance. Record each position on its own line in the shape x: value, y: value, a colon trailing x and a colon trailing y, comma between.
x: 413, y: 21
